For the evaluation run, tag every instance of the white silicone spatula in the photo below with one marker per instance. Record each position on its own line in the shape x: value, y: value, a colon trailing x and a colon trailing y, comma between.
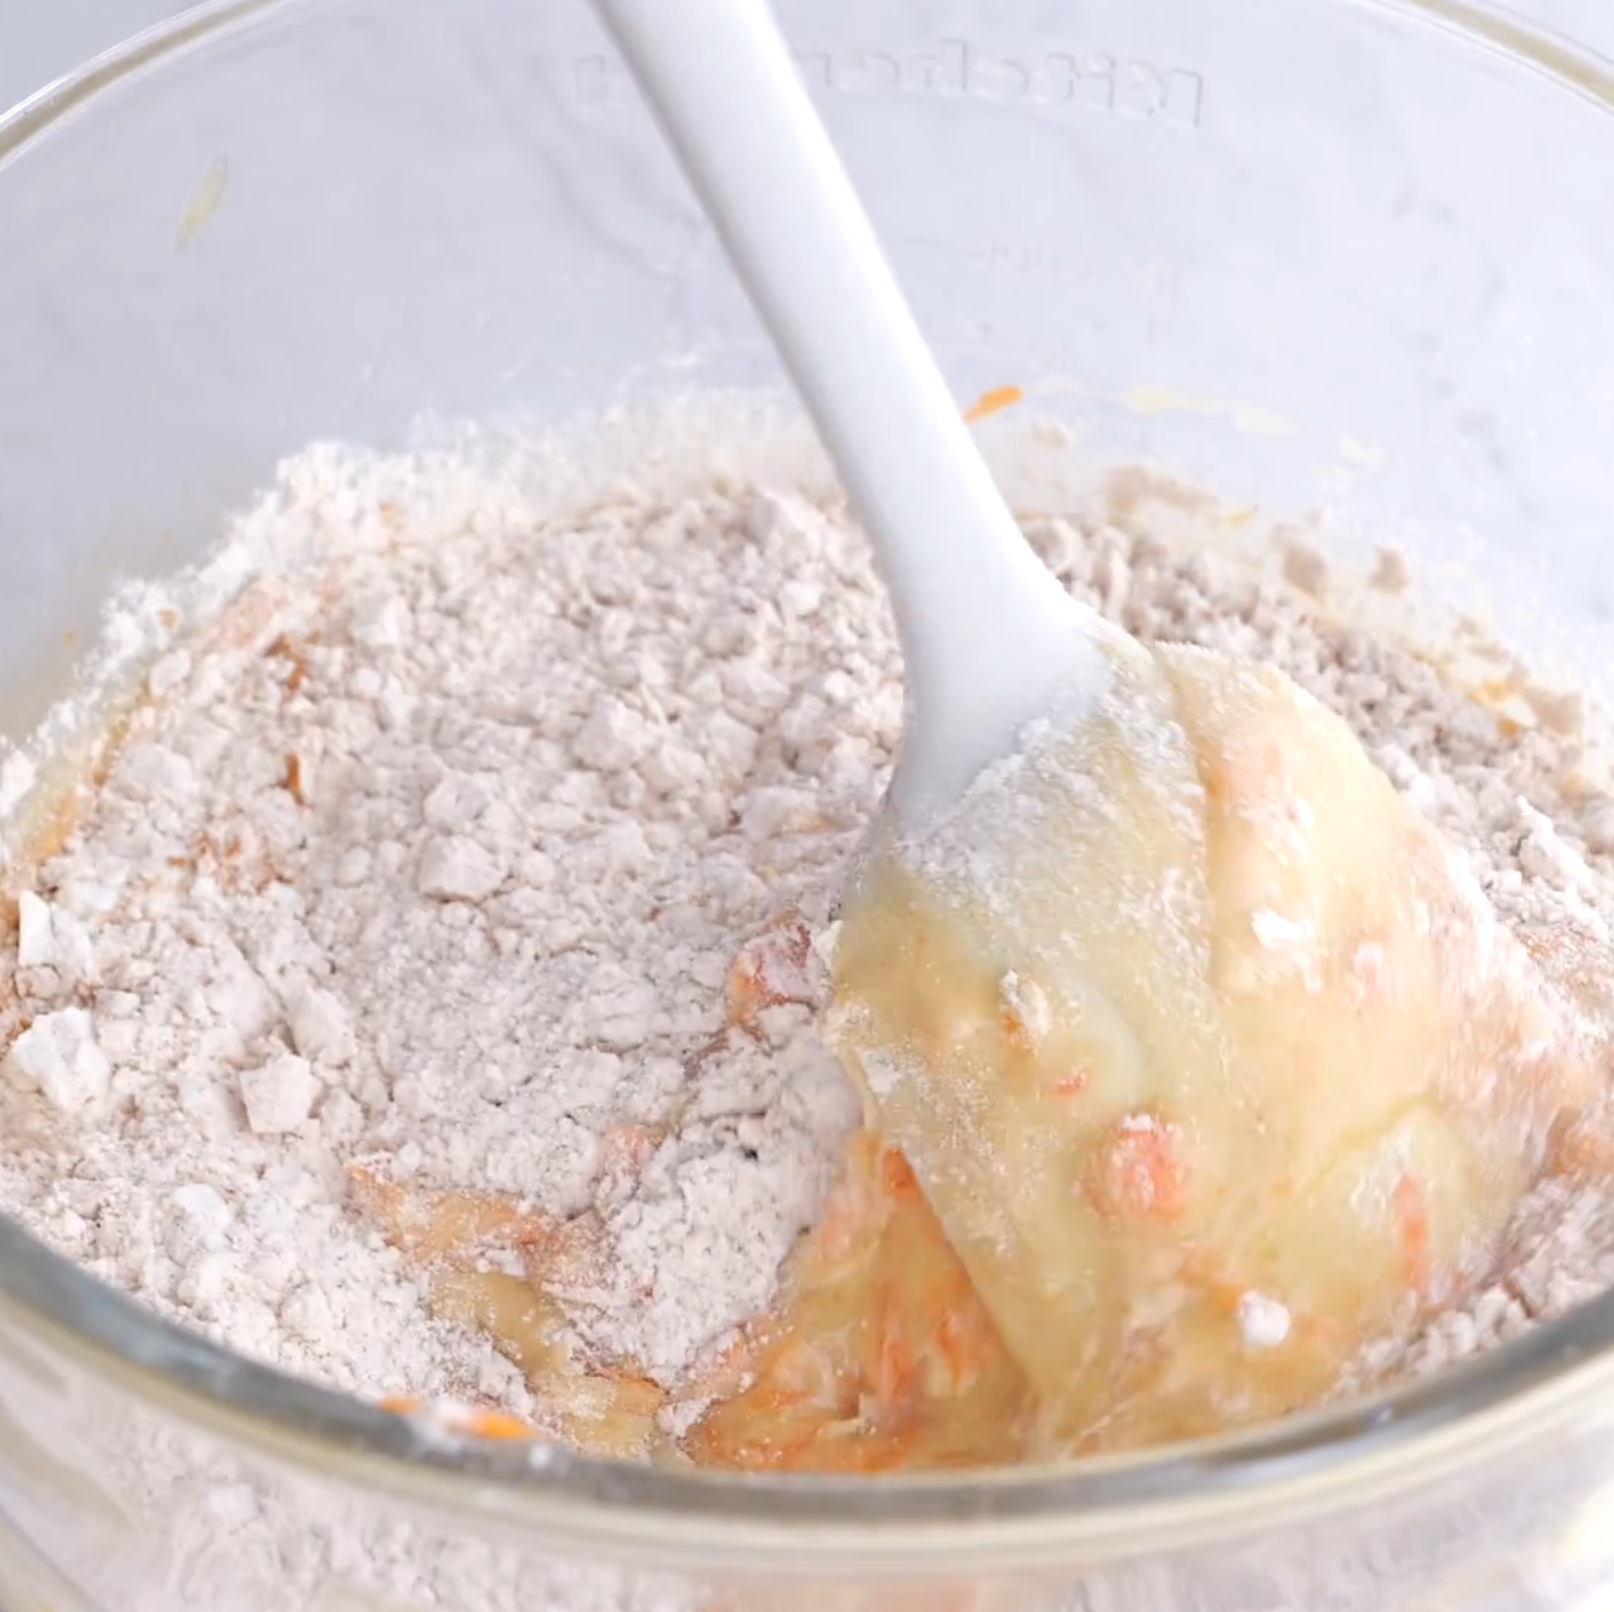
x: 989, y: 638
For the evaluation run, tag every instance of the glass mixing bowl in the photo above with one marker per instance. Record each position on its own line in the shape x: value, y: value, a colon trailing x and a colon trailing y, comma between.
x: 1353, y: 252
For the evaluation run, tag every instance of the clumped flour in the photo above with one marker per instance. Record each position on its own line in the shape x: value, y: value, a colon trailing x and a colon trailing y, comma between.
x: 431, y: 851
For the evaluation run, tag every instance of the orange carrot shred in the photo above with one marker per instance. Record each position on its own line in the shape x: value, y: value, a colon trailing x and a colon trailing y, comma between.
x: 1411, y: 1205
x: 496, y: 1425
x: 478, y: 1423
x: 895, y: 1375
x: 1143, y: 1175
x: 898, y: 1179
x: 991, y: 402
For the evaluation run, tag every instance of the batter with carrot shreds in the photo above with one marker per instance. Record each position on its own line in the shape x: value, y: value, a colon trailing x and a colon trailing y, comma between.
x: 878, y: 1357
x: 1207, y: 1051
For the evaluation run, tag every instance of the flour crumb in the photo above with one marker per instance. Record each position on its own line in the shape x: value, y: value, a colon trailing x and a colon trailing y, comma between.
x: 1263, y: 1322
x: 59, y: 1057
x: 1391, y: 573
x: 1305, y: 568
x: 278, y: 1095
x: 1027, y: 1003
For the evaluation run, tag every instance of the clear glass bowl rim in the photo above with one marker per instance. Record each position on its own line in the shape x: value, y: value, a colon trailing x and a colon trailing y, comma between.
x: 1108, y: 1509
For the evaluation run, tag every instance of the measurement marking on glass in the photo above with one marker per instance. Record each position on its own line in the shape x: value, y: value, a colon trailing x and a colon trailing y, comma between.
x: 1084, y: 81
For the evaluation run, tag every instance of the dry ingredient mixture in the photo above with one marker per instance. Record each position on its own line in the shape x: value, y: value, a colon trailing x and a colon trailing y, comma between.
x: 440, y: 949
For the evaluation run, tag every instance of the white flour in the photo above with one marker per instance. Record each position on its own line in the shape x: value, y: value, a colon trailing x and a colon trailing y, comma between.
x: 434, y: 850
x: 438, y: 852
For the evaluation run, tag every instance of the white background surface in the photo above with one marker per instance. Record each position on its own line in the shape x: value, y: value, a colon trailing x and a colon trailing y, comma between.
x: 41, y: 39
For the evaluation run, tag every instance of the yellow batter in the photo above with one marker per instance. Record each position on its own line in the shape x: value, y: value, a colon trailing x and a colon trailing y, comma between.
x: 1209, y: 1056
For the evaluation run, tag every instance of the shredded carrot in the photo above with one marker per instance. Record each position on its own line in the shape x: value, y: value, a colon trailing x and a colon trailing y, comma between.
x: 1495, y: 691
x: 882, y: 1357
x: 1143, y: 1176
x: 477, y: 1423
x: 897, y: 1177
x: 451, y: 1227
x: 283, y: 648
x: 1252, y: 770
x: 496, y: 1425
x: 956, y: 1349
x: 1411, y: 1205
x: 1222, y: 1291
x: 992, y: 402
x: 1014, y: 1028
x: 879, y: 1357
x: 770, y: 969
x: 627, y: 1149
x: 895, y: 1372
